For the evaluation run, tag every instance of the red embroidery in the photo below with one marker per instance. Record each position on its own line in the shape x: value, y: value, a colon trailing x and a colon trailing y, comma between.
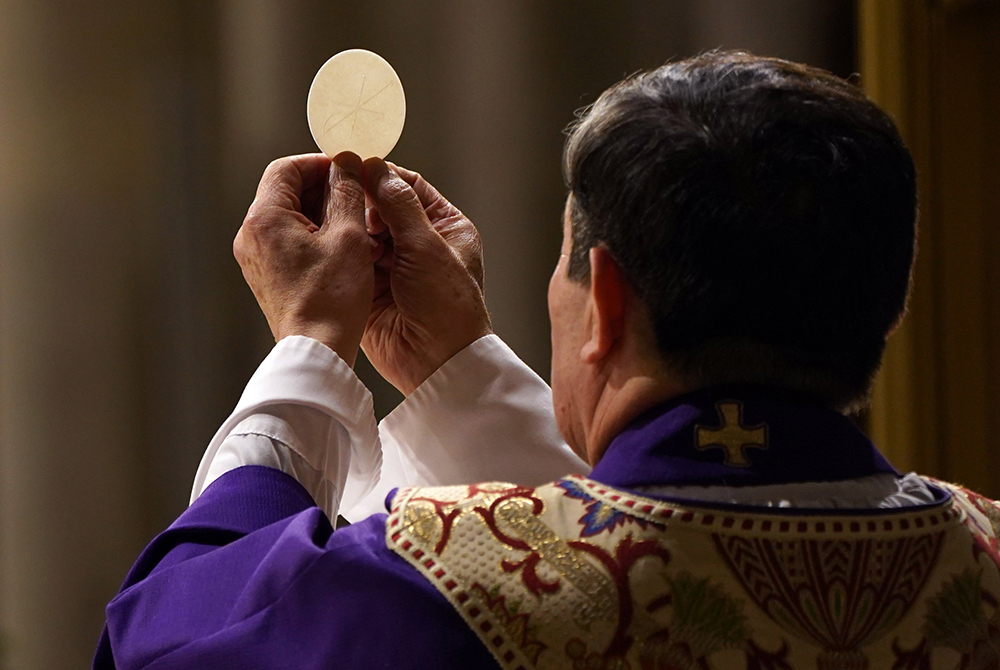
x: 532, y: 581
x: 626, y: 554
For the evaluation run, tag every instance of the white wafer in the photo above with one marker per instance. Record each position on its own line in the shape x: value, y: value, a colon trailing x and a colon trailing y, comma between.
x: 356, y: 103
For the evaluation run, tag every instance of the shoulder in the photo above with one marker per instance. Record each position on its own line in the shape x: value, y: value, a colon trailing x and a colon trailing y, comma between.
x: 967, y: 498
x: 368, y: 595
x: 357, y: 564
x: 982, y: 512
x: 290, y: 593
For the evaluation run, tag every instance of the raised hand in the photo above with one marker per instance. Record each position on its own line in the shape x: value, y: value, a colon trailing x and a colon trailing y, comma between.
x: 429, y: 302
x: 305, y: 252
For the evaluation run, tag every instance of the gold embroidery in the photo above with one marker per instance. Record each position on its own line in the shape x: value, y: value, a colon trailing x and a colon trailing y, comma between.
x: 731, y: 435
x: 699, y: 587
x: 422, y: 522
x: 597, y: 586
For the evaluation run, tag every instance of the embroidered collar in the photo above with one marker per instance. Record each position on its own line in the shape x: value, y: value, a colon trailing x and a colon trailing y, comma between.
x: 738, y: 436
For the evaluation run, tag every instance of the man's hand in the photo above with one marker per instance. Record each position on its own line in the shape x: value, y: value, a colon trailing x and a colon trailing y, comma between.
x: 305, y: 252
x: 429, y: 301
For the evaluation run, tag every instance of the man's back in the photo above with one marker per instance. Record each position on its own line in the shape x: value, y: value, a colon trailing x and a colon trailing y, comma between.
x: 576, y: 573
x: 567, y: 574
x: 624, y: 568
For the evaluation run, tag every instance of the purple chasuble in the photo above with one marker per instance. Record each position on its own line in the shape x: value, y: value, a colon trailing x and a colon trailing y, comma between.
x: 253, y: 576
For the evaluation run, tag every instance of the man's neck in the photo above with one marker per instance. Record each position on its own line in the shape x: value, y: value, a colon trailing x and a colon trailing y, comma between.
x: 622, y: 401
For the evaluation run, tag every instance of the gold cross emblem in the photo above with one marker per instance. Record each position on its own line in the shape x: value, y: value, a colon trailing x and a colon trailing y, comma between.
x: 731, y: 435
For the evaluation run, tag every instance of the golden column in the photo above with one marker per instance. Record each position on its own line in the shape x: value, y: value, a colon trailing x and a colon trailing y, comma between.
x: 931, y: 64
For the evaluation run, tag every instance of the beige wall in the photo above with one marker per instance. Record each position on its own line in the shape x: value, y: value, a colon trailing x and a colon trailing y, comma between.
x: 131, y: 138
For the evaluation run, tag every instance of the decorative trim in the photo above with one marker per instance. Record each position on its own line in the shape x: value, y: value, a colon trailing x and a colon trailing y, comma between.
x: 475, y: 613
x: 489, y: 573
x: 943, y: 515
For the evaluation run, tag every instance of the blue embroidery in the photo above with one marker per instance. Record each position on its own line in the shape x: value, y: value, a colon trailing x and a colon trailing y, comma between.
x: 599, y: 516
x: 574, y: 490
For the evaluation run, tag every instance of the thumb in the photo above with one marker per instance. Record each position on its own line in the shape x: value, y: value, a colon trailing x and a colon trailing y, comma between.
x: 346, y: 202
x: 397, y: 203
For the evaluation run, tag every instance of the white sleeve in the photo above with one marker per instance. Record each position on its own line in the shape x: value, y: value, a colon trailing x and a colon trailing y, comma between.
x: 484, y: 415
x: 306, y: 413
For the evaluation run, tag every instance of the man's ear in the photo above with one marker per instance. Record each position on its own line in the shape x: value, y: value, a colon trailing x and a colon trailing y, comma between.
x: 608, y: 299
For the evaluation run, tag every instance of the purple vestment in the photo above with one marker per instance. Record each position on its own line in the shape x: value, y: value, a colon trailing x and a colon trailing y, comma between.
x: 253, y: 576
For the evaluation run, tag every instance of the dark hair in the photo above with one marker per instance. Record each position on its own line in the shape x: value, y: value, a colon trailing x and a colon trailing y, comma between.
x: 763, y: 211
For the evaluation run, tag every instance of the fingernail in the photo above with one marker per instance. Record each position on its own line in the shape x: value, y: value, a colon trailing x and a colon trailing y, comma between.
x: 348, y: 162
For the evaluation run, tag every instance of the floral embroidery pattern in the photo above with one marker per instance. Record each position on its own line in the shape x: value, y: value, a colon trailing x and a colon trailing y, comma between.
x: 600, y: 516
x: 517, y: 624
x: 578, y: 575
x: 704, y: 620
x: 956, y: 618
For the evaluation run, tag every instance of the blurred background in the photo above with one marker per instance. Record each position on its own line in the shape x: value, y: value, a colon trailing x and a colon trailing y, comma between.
x: 132, y: 136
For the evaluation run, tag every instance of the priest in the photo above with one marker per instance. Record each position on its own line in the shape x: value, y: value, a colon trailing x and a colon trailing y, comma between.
x: 737, y: 244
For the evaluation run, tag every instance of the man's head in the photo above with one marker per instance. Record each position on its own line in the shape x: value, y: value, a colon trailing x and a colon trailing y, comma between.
x: 761, y: 215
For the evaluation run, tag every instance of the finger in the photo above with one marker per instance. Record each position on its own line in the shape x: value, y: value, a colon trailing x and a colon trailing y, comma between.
x: 285, y: 179
x: 383, y: 272
x: 374, y: 222
x: 346, y: 204
x: 398, y: 204
x: 425, y: 191
x: 436, y: 205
